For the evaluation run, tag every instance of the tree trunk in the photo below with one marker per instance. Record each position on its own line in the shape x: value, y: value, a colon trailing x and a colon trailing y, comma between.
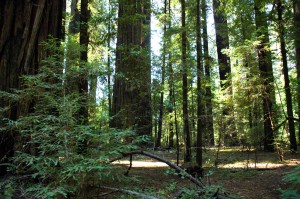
x: 200, y: 108
x: 186, y: 130
x: 297, y: 53
x: 266, y: 72
x: 109, y: 69
x: 171, y: 85
x: 208, y: 93
x: 74, y: 26
x: 176, y: 127
x: 83, y: 79
x: 23, y: 26
x: 131, y: 105
x: 222, y: 42
x: 161, y: 103
x: 83, y: 76
x: 289, y: 104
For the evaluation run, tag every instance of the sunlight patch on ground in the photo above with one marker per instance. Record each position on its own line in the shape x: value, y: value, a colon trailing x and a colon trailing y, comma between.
x: 141, y: 163
x: 260, y: 165
x: 243, y: 164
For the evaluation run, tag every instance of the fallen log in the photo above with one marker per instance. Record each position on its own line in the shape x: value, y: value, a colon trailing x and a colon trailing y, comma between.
x: 130, y: 192
x: 196, y: 181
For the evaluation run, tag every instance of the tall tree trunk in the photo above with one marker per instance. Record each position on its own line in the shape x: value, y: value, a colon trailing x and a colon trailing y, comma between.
x: 109, y: 69
x: 222, y: 41
x: 186, y: 130
x: 23, y: 26
x: 266, y: 72
x: 161, y: 102
x: 171, y: 84
x: 171, y: 120
x: 74, y: 25
x: 289, y: 104
x: 297, y: 53
x: 200, y: 108
x: 83, y: 77
x: 176, y: 127
x: 208, y: 93
x: 131, y: 105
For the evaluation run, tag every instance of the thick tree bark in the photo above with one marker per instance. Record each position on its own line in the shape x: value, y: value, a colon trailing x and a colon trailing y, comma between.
x: 23, y: 26
x: 186, y: 128
x: 266, y: 72
x: 289, y: 104
x: 297, y: 53
x: 208, y: 93
x: 222, y: 41
x: 131, y: 105
x: 83, y: 79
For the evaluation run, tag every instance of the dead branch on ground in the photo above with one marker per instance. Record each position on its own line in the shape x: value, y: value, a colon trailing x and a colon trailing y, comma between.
x: 130, y: 192
x: 198, y: 182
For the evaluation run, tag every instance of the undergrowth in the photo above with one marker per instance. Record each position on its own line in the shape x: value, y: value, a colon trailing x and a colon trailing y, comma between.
x: 48, y: 161
x: 293, y: 177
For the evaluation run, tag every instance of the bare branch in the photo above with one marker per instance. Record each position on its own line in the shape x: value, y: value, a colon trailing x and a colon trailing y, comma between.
x: 198, y: 182
x: 140, y: 195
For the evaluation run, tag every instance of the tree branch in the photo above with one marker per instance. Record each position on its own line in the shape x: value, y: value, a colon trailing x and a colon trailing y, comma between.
x: 199, y: 183
x: 140, y: 195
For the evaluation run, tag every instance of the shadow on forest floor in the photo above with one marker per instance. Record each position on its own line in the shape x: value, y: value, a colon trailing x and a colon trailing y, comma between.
x: 248, y: 174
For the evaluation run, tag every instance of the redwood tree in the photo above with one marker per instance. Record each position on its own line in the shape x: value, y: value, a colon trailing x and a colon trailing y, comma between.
x: 297, y: 52
x: 83, y: 77
x: 266, y: 73
x: 208, y: 92
x: 161, y: 102
x: 200, y: 108
x: 131, y: 104
x: 23, y: 26
x: 186, y: 128
x: 222, y: 42
x: 289, y: 104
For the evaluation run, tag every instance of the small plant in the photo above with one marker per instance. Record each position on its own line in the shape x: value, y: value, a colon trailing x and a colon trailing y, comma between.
x: 7, y: 189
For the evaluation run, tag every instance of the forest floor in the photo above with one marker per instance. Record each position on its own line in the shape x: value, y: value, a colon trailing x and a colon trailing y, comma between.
x: 245, y: 174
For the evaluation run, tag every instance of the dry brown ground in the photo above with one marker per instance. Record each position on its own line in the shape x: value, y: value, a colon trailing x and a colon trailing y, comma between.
x: 238, y: 173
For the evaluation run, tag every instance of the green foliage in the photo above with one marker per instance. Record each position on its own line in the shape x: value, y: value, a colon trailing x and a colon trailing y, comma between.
x: 50, y: 133
x: 293, y: 178
x: 7, y: 189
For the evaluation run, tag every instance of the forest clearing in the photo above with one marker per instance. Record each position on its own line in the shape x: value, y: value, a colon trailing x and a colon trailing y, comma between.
x: 149, y: 99
x: 238, y: 175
